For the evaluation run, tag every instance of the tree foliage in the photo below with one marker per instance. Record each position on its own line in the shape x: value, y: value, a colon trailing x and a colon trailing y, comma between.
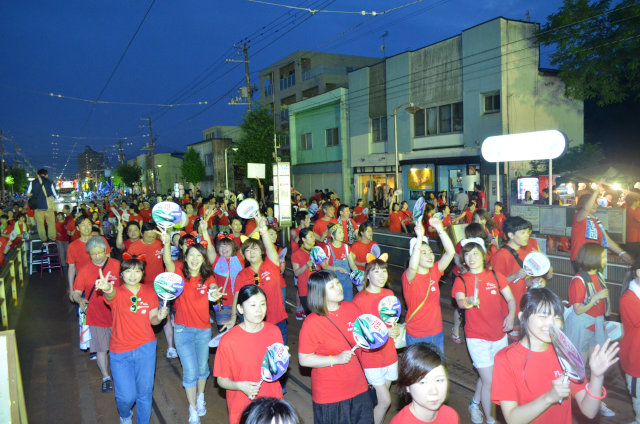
x: 20, y: 180
x: 193, y: 167
x: 597, y: 48
x: 573, y: 159
x: 130, y: 174
x: 256, y: 144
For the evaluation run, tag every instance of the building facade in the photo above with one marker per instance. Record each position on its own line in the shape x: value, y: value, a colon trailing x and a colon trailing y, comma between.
x: 216, y: 151
x: 90, y: 164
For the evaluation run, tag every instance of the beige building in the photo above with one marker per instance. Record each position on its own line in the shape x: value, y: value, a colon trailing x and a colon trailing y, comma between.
x: 217, y: 142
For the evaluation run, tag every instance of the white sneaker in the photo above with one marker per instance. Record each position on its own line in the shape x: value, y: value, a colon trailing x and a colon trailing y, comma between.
x: 476, y: 413
x: 172, y: 353
x: 126, y: 420
x: 193, y: 415
x: 605, y: 411
x: 201, y: 405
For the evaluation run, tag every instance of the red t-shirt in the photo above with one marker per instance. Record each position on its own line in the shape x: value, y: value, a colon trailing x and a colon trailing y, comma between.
x: 360, y: 250
x: 630, y: 343
x: 3, y: 245
x: 189, y: 226
x: 503, y: 262
x: 321, y: 225
x: 225, y: 272
x: 98, y: 313
x: 633, y: 225
x: 269, y: 277
x: 250, y: 227
x: 61, y: 231
x: 301, y: 257
x: 428, y: 320
x: 395, y: 220
x: 446, y: 415
x: 131, y: 330
x: 468, y: 216
x: 223, y: 218
x: 578, y: 293
x: 192, y: 306
x: 71, y: 228
x: 579, y: 234
x: 482, y: 200
x: 319, y: 336
x: 145, y: 214
x: 77, y: 254
x: 386, y: 355
x: 239, y: 358
x: 136, y: 218
x: 499, y: 219
x: 523, y: 376
x: 486, y: 321
x: 360, y: 217
x: 294, y: 244
x: 340, y: 253
x: 153, y: 258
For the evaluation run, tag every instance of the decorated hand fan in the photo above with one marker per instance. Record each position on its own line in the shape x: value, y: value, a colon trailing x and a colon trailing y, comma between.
x: 282, y: 255
x: 613, y: 330
x: 375, y: 250
x: 418, y: 209
x: 317, y: 255
x: 369, y: 332
x: 216, y: 340
x: 183, y: 221
x: 275, y: 362
x: 536, y: 264
x: 313, y: 209
x: 166, y: 214
x: 439, y: 215
x: 168, y: 286
x: 248, y: 209
x: 357, y: 277
x: 389, y: 309
x: 567, y: 353
x: 365, y: 211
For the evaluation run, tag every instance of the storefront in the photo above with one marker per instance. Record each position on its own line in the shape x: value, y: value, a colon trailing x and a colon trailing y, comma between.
x: 373, y: 184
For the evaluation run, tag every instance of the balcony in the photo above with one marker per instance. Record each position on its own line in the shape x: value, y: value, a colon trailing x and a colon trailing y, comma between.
x: 325, y: 70
x: 287, y: 82
x: 268, y: 90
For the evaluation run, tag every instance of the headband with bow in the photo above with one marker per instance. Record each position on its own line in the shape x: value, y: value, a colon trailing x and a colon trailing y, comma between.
x: 255, y: 236
x: 222, y: 236
x: 476, y: 240
x: 192, y: 233
x: 127, y: 256
x: 192, y: 242
x: 371, y: 257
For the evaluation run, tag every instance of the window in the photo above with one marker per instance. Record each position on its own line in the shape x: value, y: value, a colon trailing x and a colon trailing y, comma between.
x: 305, y: 141
x: 332, y: 137
x: 491, y: 102
x: 208, y: 159
x: 443, y: 119
x: 379, y: 129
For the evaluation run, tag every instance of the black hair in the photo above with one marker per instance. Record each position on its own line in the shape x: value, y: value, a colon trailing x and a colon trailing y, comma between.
x: 535, y: 301
x: 148, y: 226
x: 514, y: 224
x: 249, y: 291
x: 363, y: 227
x: 304, y: 233
x: 206, y: 270
x: 82, y: 218
x: 132, y: 263
x: 415, y: 363
x: 268, y: 410
x: 300, y: 217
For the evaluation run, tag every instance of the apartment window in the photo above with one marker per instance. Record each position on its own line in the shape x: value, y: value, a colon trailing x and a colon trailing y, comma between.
x: 458, y: 122
x: 443, y: 119
x: 332, y: 137
x: 379, y: 129
x: 419, y: 123
x: 305, y: 141
x: 491, y: 102
x: 432, y: 121
x: 208, y: 159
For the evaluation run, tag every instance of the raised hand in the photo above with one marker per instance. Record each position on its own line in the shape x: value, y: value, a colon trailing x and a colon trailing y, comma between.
x: 102, y: 283
x: 436, y: 223
x: 603, y: 357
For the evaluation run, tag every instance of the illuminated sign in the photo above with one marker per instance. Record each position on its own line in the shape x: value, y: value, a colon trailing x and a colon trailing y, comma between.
x: 538, y: 145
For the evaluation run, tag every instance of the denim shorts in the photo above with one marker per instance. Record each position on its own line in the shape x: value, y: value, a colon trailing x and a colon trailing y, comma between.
x: 193, y: 349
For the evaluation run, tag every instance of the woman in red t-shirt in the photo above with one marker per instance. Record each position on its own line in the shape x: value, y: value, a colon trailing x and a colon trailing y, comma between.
x: 407, y: 219
x: 339, y: 260
x: 132, y: 349
x: 423, y: 379
x: 630, y: 343
x: 395, y: 218
x: 133, y: 234
x: 533, y: 387
x: 360, y: 213
x: 304, y: 267
x: 589, y: 300
x: 365, y: 245
x: 241, y: 351
x: 480, y: 293
x: 380, y: 365
x: 338, y: 383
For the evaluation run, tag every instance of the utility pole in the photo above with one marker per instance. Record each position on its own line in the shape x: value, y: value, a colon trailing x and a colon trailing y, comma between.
x: 246, y: 73
x: 153, y: 170
x: 120, y: 152
x: 246, y: 91
x: 2, y: 162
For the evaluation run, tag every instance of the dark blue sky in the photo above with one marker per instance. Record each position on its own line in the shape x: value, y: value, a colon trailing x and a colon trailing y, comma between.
x: 178, y: 56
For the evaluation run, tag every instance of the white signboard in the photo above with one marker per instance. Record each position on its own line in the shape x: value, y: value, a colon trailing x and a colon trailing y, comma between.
x: 256, y: 170
x: 282, y: 191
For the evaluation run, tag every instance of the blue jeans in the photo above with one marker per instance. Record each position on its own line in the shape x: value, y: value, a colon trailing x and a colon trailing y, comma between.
x: 282, y: 325
x: 436, y: 339
x: 193, y: 350
x: 133, y: 374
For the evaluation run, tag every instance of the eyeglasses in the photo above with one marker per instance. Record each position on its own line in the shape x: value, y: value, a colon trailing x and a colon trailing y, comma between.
x: 134, y: 304
x: 256, y: 279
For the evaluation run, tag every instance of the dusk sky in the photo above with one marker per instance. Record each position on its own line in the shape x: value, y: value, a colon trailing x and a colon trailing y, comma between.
x: 71, y: 48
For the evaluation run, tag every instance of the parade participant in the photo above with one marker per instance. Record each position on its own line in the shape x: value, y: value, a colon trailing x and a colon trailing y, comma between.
x: 396, y: 224
x: 407, y: 218
x: 263, y: 271
x: 134, y: 215
x: 588, y: 299
x: 20, y: 230
x: 481, y: 197
x: 62, y: 238
x: 303, y: 266
x: 237, y: 367
x: 192, y: 329
x: 236, y: 228
x: 358, y: 213
x: 533, y: 387
x: 273, y: 235
x: 272, y: 221
x: 303, y: 220
x: 468, y: 213
x: 482, y: 217
x: 133, y: 234
x: 191, y: 217
x: 91, y: 301
x: 222, y: 218
x: 442, y: 199
x: 349, y: 226
x: 498, y: 217
x: 423, y: 379
x: 630, y: 343
x: 338, y: 383
x: 586, y: 228
x: 269, y: 410
x: 44, y: 191
x: 183, y: 243
x: 360, y: 248
x: 320, y: 226
x: 478, y: 292
x: 420, y: 287
x: 380, y: 365
x: 339, y: 261
x: 132, y: 349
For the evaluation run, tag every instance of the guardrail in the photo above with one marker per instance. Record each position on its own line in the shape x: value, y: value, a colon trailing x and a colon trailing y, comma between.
x: 12, y: 285
x: 13, y: 408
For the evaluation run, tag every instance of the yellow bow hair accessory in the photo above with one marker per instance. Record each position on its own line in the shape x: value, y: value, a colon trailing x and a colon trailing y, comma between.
x: 371, y: 257
x: 255, y: 236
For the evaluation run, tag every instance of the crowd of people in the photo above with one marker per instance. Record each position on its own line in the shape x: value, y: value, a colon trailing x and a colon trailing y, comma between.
x: 234, y: 278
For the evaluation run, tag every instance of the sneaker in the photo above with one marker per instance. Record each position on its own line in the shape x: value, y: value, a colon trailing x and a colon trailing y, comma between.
x: 201, y: 405
x: 172, y: 353
x: 300, y: 315
x: 476, y: 413
x: 107, y: 386
x: 126, y: 420
x: 93, y: 356
x: 605, y: 411
x: 193, y: 415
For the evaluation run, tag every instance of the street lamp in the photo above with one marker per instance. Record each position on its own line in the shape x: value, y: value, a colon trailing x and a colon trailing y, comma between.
x: 411, y: 109
x: 226, y: 165
x: 157, y: 178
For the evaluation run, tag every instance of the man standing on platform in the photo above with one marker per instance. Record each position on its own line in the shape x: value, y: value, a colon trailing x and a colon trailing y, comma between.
x: 43, y: 189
